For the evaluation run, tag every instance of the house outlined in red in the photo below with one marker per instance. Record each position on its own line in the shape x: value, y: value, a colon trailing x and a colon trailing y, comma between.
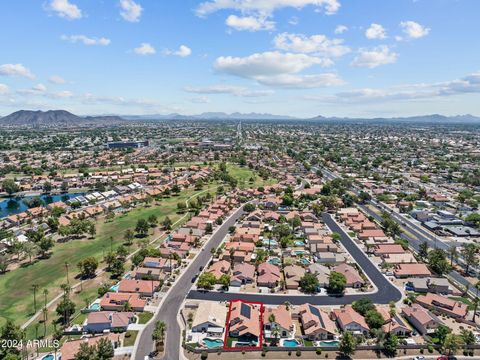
x: 248, y: 317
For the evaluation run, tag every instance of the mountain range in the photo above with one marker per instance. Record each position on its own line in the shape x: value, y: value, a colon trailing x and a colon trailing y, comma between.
x: 62, y: 118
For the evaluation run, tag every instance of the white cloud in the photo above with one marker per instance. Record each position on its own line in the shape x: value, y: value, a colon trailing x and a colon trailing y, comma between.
x: 466, y: 85
x: 183, y: 51
x: 317, y: 44
x: 414, y: 30
x: 200, y: 100
x: 16, y: 70
x: 340, y: 29
x: 55, y: 79
x: 86, y: 40
x: 377, y: 56
x: 4, y: 89
x: 265, y: 7
x: 228, y: 89
x: 277, y: 69
x: 249, y: 23
x: 376, y: 31
x: 131, y: 11
x: 267, y: 63
x: 65, y: 9
x: 294, y: 81
x: 144, y: 49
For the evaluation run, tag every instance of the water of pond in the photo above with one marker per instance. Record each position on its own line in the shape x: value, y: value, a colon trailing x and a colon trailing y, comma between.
x: 16, y: 205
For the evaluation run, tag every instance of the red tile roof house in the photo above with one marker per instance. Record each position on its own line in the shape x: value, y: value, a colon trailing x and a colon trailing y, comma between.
x: 98, y: 322
x: 371, y: 234
x: 411, y: 270
x: 116, y: 302
x: 242, y: 274
x: 455, y: 309
x: 293, y: 275
x: 387, y: 249
x: 316, y: 323
x: 349, y: 320
x: 278, y: 317
x: 422, y: 319
x: 245, y: 321
x: 143, y: 273
x: 354, y: 279
x: 70, y: 348
x: 158, y: 263
x: 395, y: 324
x: 144, y: 288
x: 268, y: 275
x: 219, y: 268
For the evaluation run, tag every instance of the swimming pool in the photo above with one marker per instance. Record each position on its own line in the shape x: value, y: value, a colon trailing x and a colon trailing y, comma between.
x: 95, y: 306
x: 244, y: 344
x: 329, y: 343
x: 298, y: 252
x: 212, y: 343
x: 298, y: 243
x: 274, y: 261
x: 51, y: 357
x: 114, y: 288
x: 271, y: 242
x: 290, y: 343
x: 304, y: 261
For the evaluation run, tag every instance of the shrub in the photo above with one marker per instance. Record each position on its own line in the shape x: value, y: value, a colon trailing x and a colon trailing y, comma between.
x: 204, y: 355
x: 298, y: 353
x: 318, y: 351
x: 430, y: 349
x: 264, y: 353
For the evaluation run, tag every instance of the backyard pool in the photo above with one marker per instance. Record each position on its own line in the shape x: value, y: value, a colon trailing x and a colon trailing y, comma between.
x: 304, y: 261
x: 95, y: 306
x: 298, y: 243
x: 298, y: 252
x: 328, y: 343
x: 51, y: 357
x: 269, y: 242
x: 274, y: 261
x: 212, y: 343
x: 114, y: 288
x: 290, y: 343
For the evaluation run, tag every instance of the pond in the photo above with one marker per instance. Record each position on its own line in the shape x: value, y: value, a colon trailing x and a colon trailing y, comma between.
x: 16, y: 205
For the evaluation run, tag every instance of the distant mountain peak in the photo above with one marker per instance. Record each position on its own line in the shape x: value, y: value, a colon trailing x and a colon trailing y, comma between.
x: 52, y: 118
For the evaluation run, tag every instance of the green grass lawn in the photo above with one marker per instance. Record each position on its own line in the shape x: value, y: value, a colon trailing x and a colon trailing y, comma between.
x: 130, y: 337
x: 243, y: 174
x: 16, y: 295
x: 144, y: 317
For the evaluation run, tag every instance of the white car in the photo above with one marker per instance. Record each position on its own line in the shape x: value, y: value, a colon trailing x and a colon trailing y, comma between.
x: 419, y: 358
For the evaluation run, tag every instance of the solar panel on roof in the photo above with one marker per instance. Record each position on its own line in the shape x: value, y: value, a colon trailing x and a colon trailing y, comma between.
x: 245, y: 310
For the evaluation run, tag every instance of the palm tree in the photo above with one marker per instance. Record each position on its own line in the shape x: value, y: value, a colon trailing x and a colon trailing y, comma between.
x: 392, y: 312
x: 45, y: 316
x: 275, y: 333
x: 45, y: 294
x: 66, y: 268
x: 34, y: 288
x: 453, y: 254
x: 159, y: 333
x: 287, y: 304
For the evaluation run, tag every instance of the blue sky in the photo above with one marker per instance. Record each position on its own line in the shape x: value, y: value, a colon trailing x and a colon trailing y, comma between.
x: 293, y: 57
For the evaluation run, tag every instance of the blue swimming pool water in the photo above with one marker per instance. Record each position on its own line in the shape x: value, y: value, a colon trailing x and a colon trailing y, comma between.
x: 299, y: 243
x: 114, y: 288
x: 290, y: 343
x: 329, y: 343
x: 274, y: 261
x: 299, y: 252
x: 49, y: 357
x: 95, y: 307
x: 213, y: 343
x: 305, y: 261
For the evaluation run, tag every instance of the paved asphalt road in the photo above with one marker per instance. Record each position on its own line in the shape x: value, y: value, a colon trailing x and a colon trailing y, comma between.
x: 171, y: 304
x: 415, y: 242
x: 386, y: 290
